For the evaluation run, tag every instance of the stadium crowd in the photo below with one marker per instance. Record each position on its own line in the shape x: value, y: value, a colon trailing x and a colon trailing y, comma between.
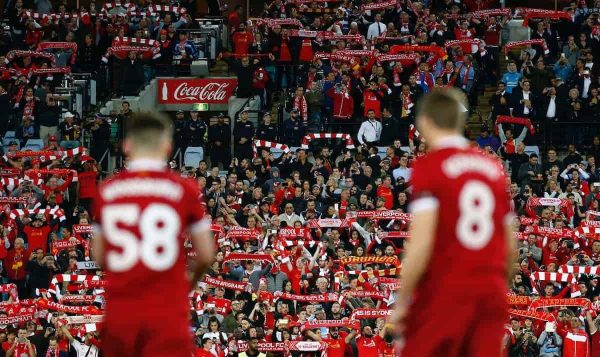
x: 309, y: 240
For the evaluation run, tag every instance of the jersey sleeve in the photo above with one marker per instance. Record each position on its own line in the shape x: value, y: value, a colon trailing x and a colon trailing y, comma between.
x: 423, y: 187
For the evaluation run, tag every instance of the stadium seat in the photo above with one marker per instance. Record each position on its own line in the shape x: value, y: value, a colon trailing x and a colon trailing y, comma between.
x: 193, y: 155
x: 6, y: 140
x: 34, y: 145
x: 9, y: 134
x: 276, y: 152
x: 532, y: 150
x: 381, y: 151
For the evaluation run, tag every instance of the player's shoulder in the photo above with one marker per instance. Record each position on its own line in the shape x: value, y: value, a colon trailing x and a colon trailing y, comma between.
x: 455, y: 162
x: 147, y: 183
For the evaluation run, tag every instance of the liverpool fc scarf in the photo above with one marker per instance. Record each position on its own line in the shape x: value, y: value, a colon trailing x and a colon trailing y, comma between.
x: 514, y: 120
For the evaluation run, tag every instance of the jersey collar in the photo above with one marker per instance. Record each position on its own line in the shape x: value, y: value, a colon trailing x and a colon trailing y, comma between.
x: 146, y: 165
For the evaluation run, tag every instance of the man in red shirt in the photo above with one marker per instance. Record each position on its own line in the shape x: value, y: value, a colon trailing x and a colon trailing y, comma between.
x: 469, y: 187
x: 86, y: 183
x: 22, y: 347
x: 142, y: 213
x: 37, y: 233
x: 204, y: 351
x: 242, y: 40
x: 372, y: 97
x: 336, y: 342
x: 367, y: 344
x: 576, y: 342
x: 385, y: 191
x: 15, y: 263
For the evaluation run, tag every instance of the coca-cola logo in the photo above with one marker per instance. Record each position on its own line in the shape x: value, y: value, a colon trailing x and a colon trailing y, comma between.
x: 210, y: 92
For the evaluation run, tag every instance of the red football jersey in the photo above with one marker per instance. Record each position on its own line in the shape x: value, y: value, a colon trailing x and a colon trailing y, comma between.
x: 470, y: 190
x: 142, y: 213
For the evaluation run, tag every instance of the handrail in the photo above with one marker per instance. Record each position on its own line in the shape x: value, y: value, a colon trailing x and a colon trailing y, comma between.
x: 178, y: 156
x: 237, y: 114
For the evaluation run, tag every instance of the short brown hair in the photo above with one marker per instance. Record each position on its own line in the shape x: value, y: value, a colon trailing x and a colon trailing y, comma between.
x: 146, y: 128
x: 444, y: 107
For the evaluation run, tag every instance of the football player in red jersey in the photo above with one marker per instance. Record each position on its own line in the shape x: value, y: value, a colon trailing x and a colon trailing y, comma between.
x: 142, y: 213
x: 454, y: 272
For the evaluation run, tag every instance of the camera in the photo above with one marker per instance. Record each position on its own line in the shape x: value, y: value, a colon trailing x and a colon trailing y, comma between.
x: 570, y: 244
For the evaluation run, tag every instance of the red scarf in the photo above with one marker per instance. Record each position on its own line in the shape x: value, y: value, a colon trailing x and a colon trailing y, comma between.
x: 538, y: 315
x: 396, y: 74
x: 370, y: 259
x: 581, y: 302
x: 300, y: 104
x: 466, y: 77
x: 515, y: 120
x: 407, y: 103
x: 327, y: 297
x: 360, y: 314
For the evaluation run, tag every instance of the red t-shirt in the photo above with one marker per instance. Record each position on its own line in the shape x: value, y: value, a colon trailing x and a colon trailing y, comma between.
x: 336, y: 347
x: 386, y: 350
x: 37, y: 238
x: 367, y: 346
x: 201, y: 352
x: 242, y: 41
x: 15, y: 263
x: 469, y: 188
x: 142, y: 214
x: 222, y: 306
x: 388, y: 194
x: 295, y: 276
x: 87, y: 184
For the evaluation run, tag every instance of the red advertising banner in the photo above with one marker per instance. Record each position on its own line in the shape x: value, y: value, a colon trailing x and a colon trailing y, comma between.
x: 195, y: 90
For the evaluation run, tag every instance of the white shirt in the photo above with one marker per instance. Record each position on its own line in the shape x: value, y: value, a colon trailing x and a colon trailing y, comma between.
x: 402, y: 172
x: 375, y: 30
x: 369, y: 131
x: 525, y: 97
x: 82, y: 349
x: 551, y: 112
x: 586, y: 86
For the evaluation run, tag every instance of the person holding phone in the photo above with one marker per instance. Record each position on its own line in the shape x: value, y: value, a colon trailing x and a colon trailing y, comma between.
x: 22, y: 347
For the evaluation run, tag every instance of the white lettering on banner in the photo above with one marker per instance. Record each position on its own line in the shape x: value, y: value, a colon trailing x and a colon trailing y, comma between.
x: 84, y: 319
x: 210, y: 92
x: 88, y: 265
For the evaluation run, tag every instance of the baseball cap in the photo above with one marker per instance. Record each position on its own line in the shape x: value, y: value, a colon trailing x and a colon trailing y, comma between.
x: 68, y: 115
x: 12, y: 142
x: 180, y: 112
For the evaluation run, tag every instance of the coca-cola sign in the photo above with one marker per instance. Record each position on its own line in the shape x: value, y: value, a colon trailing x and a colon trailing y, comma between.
x: 195, y: 90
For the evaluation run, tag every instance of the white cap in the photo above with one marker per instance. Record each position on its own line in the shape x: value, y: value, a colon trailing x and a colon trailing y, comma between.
x: 68, y: 114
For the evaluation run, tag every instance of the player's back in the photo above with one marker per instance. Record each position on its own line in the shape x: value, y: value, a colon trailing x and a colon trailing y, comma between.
x: 469, y: 188
x: 143, y: 214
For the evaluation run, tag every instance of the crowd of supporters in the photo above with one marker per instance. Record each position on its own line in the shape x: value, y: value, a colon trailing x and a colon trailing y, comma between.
x: 310, y: 235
